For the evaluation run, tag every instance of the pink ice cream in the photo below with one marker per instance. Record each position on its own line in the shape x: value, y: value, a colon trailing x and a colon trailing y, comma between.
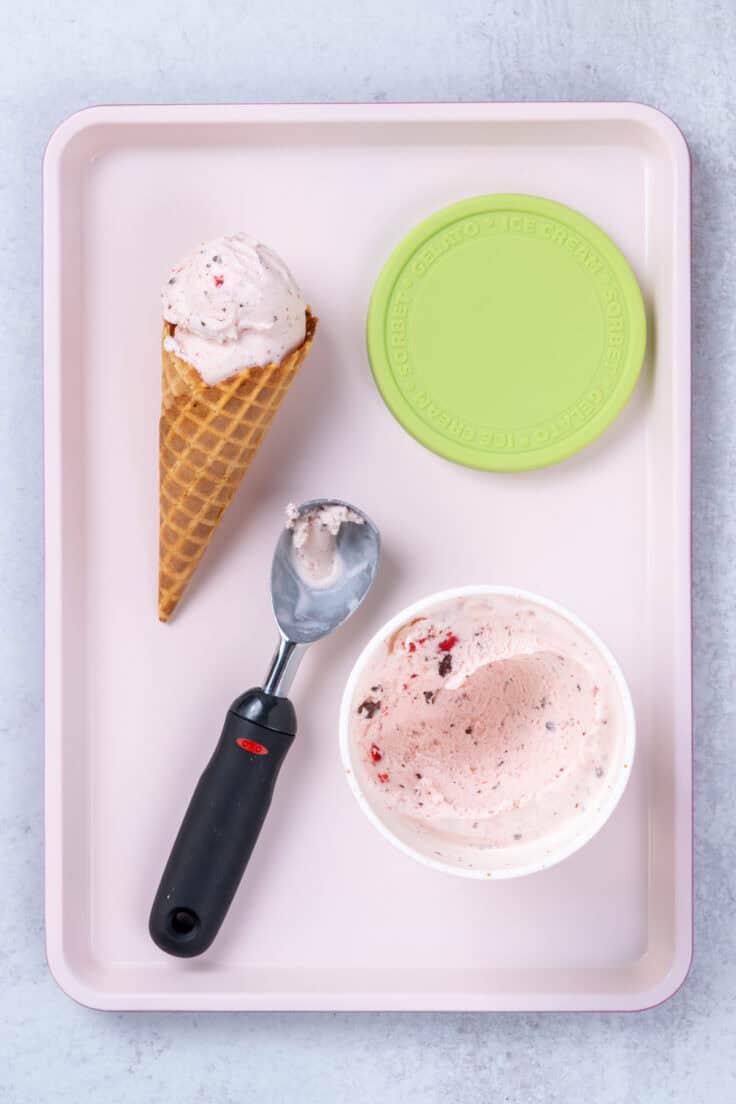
x: 488, y: 721
x: 235, y: 305
x: 314, y: 546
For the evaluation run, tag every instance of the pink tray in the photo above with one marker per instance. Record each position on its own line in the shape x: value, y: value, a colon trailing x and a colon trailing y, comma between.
x: 329, y: 915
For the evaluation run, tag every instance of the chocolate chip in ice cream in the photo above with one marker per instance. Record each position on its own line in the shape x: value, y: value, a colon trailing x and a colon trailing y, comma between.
x: 445, y: 665
x: 369, y: 707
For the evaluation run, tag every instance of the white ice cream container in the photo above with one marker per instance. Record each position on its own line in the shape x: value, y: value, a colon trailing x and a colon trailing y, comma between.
x: 471, y: 860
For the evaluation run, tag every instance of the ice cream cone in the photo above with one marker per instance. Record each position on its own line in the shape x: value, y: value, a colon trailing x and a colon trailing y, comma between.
x: 208, y: 436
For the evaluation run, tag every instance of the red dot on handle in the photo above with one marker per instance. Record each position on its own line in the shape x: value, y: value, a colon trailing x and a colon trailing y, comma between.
x: 251, y: 746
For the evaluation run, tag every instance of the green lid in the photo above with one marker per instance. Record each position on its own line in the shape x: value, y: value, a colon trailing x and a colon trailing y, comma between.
x: 506, y: 332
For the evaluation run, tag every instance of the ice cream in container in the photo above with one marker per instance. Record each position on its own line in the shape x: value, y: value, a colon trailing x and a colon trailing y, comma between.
x: 487, y: 732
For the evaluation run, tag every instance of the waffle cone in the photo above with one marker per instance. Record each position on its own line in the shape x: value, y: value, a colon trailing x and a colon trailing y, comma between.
x: 208, y: 437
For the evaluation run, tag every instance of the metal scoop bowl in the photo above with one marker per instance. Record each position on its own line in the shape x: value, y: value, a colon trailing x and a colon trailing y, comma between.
x: 233, y: 795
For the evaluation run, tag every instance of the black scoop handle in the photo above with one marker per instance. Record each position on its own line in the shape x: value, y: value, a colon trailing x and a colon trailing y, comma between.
x: 221, y: 825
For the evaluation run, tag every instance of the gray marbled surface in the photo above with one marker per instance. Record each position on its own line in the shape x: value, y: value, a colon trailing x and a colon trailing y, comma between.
x: 59, y: 55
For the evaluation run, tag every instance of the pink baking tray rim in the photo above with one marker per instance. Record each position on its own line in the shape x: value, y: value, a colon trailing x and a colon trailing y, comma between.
x: 671, y: 980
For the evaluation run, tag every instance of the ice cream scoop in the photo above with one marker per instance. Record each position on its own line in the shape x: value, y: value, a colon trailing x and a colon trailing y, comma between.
x: 229, y: 805
x: 233, y: 304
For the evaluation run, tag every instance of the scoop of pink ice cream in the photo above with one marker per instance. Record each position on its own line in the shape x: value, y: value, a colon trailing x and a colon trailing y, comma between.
x: 235, y: 305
